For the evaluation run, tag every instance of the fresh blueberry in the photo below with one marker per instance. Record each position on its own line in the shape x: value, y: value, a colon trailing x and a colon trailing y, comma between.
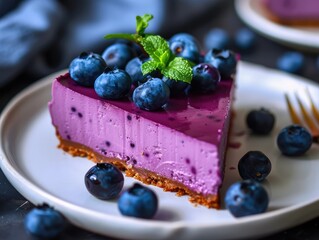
x: 118, y: 55
x: 245, y: 198
x: 260, y: 121
x: 186, y: 46
x: 133, y: 68
x: 104, y: 181
x: 245, y: 39
x: 44, y: 222
x: 138, y: 201
x: 176, y: 87
x: 291, y: 62
x: 151, y: 95
x: 217, y: 38
x: 205, y: 78
x: 294, y: 140
x: 254, y: 165
x: 224, y: 60
x: 86, y: 68
x: 113, y: 84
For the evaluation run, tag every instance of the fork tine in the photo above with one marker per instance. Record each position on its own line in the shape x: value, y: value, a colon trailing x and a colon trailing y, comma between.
x: 294, y: 116
x: 314, y: 110
x: 311, y: 124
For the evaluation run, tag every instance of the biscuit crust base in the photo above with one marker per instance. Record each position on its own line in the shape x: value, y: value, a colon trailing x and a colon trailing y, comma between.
x: 145, y: 176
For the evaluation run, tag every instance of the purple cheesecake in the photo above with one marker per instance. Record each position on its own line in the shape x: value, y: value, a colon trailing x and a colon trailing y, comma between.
x: 293, y: 12
x: 181, y: 148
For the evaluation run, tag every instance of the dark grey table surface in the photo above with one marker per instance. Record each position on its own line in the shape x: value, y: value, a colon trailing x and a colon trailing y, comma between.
x: 14, y: 207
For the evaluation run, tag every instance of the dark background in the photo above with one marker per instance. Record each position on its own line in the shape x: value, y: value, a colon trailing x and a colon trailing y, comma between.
x: 13, y: 207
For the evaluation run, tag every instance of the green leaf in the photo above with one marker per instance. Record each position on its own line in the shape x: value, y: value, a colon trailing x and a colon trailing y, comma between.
x: 158, y: 49
x: 142, y: 23
x: 179, y: 69
x: 149, y: 66
x: 131, y: 37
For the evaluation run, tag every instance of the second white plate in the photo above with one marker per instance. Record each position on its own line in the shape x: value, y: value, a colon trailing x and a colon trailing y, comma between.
x: 297, y: 37
x: 43, y: 173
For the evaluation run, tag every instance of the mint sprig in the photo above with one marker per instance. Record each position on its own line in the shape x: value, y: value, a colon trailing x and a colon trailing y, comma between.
x: 161, y: 57
x: 142, y: 23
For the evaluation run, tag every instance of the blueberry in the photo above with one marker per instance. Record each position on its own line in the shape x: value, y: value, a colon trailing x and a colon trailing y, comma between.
x: 291, y: 62
x: 118, y: 55
x: 246, y: 198
x: 133, y: 68
x: 254, y: 165
x: 217, y: 38
x: 86, y: 68
x: 224, y: 60
x: 205, y: 78
x: 138, y: 201
x: 152, y: 95
x: 104, y: 181
x: 44, y: 222
x: 294, y: 140
x: 245, y: 39
x: 176, y: 87
x: 186, y: 46
x: 113, y: 84
x: 260, y: 121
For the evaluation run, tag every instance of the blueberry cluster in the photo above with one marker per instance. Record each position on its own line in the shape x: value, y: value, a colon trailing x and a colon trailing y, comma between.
x: 119, y: 70
x: 244, y: 39
x: 105, y: 181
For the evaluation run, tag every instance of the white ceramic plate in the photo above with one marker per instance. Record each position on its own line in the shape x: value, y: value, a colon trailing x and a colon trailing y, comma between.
x: 304, y: 38
x: 43, y: 173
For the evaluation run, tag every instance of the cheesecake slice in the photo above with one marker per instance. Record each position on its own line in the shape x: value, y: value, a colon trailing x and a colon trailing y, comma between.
x: 292, y: 12
x: 181, y: 148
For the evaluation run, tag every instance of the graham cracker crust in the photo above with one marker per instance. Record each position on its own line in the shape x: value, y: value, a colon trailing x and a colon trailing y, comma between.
x: 145, y: 176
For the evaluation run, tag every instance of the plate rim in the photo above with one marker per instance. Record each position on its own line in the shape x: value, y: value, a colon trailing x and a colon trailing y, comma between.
x: 19, y: 181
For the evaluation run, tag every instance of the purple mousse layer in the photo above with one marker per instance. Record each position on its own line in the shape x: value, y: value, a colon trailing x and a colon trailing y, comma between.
x: 294, y: 9
x: 186, y: 142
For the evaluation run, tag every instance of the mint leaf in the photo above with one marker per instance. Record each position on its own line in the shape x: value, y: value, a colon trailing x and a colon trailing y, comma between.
x: 142, y: 23
x: 179, y: 69
x: 131, y: 37
x: 149, y: 66
x: 158, y: 49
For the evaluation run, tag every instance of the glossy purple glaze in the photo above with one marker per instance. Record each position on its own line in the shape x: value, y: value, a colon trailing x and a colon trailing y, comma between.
x: 294, y: 9
x: 185, y: 142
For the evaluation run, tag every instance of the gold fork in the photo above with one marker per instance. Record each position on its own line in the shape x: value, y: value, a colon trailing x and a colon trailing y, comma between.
x: 309, y: 118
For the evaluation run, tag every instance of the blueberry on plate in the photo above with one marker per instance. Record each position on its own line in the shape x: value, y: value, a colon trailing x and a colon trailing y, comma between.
x: 245, y: 39
x: 44, y: 222
x: 291, y: 62
x: 138, y: 201
x: 118, y: 55
x: 205, y: 78
x: 217, y: 38
x: 104, y: 181
x: 224, y: 60
x: 177, y: 88
x: 294, y: 140
x: 151, y: 95
x: 245, y: 198
x: 86, y: 68
x: 254, y: 165
x: 260, y: 121
x: 113, y: 84
x: 186, y: 46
